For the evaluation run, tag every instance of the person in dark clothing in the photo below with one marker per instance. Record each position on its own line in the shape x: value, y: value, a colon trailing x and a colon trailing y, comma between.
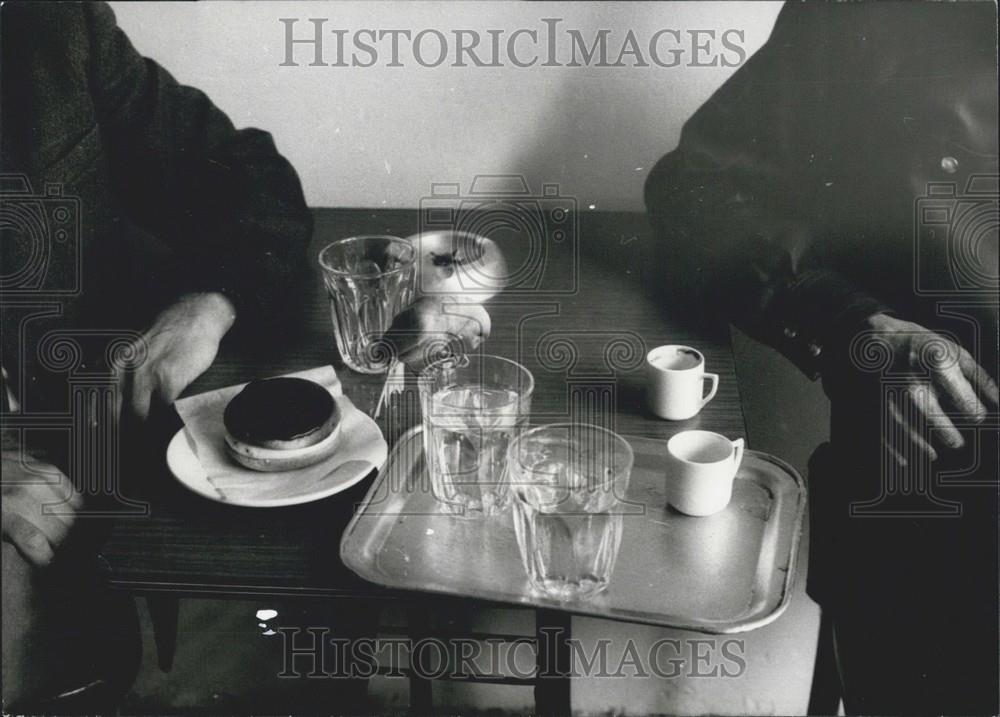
x: 129, y: 201
x: 837, y: 199
x: 138, y: 227
x: 133, y: 212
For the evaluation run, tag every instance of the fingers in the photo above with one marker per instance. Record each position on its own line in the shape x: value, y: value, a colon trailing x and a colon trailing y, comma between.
x: 37, y: 520
x: 50, y: 494
x: 906, y: 443
x: 167, y: 386
x: 958, y: 393
x: 59, y: 502
x: 897, y: 457
x: 55, y: 528
x: 469, y: 322
x: 179, y: 347
x: 154, y: 382
x: 51, y: 502
x: 27, y: 478
x: 462, y: 327
x: 139, y: 394
x: 980, y: 380
x: 429, y: 327
x: 36, y: 468
x: 28, y: 539
x: 39, y: 506
x: 75, y: 497
x: 64, y: 491
x: 925, y: 404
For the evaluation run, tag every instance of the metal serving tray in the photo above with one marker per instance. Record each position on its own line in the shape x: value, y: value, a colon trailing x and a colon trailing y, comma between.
x: 730, y: 572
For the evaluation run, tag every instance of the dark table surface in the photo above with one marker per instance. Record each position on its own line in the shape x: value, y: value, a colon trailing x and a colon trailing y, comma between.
x: 581, y: 316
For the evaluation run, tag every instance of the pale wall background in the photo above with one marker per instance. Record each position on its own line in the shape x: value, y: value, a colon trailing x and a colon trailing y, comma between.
x: 370, y: 137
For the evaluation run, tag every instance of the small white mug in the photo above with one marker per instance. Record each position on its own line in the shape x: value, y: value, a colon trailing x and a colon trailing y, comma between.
x: 675, y: 382
x: 701, y: 470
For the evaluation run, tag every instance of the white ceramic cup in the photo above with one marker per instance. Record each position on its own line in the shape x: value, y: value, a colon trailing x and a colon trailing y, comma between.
x: 701, y: 470
x: 675, y: 382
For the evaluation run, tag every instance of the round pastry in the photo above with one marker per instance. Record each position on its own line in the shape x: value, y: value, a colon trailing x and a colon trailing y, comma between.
x: 281, y: 424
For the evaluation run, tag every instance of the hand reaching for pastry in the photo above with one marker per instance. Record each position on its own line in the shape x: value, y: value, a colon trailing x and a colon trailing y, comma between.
x: 180, y: 345
x: 431, y: 327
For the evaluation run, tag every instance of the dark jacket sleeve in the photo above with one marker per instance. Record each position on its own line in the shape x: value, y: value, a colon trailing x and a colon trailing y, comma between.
x: 742, y: 206
x: 228, y: 204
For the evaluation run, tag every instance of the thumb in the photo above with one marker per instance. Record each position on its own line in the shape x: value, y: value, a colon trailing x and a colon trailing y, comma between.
x: 138, y: 394
x: 169, y: 387
x: 470, y: 322
x: 456, y: 328
x: 27, y: 538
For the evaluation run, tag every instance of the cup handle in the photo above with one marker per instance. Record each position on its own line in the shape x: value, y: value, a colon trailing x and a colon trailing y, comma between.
x: 714, y: 378
x: 738, y: 446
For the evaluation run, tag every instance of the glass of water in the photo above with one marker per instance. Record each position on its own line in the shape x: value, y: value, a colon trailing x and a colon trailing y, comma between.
x: 369, y: 280
x: 473, y: 407
x: 569, y: 481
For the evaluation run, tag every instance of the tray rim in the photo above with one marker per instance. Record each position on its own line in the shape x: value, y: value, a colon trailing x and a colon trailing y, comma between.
x: 731, y: 628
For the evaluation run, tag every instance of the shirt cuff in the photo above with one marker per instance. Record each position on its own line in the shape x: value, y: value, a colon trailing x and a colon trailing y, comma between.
x: 823, y: 313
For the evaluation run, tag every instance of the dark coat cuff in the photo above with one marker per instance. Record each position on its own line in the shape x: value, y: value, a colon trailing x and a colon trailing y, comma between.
x: 823, y: 312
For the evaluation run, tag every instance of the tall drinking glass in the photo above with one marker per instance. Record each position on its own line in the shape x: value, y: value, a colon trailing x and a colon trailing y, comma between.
x: 473, y: 407
x: 369, y: 279
x: 568, y: 482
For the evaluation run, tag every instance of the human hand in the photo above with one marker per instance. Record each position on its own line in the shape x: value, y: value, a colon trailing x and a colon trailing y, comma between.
x: 28, y: 487
x: 430, y: 326
x: 946, y: 385
x: 179, y: 346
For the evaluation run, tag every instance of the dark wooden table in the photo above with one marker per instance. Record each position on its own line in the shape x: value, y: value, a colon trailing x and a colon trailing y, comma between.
x: 581, y: 315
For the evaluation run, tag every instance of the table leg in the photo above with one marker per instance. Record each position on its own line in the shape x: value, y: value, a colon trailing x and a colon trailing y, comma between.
x: 552, y: 662
x: 358, y: 620
x: 164, y: 611
x: 824, y: 697
x: 421, y: 695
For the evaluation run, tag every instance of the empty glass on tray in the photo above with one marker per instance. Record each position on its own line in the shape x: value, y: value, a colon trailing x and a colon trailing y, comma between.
x: 473, y: 406
x: 369, y: 279
x: 568, y: 482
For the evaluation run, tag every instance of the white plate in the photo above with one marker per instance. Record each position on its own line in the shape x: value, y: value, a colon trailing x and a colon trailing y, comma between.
x: 362, y: 448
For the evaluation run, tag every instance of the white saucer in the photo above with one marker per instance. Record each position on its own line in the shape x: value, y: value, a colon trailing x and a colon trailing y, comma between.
x: 362, y: 448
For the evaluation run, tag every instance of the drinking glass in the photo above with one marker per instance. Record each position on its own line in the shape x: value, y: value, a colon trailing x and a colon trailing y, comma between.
x: 369, y: 279
x: 473, y: 407
x: 568, y: 481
